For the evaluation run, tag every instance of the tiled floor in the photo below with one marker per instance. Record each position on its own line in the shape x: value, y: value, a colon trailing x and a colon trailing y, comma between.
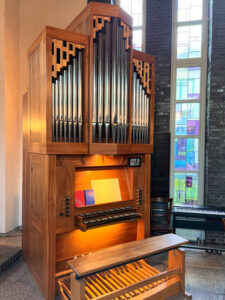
x: 205, y: 276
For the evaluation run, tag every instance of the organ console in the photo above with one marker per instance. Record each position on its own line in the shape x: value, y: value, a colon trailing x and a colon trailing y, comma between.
x: 88, y: 111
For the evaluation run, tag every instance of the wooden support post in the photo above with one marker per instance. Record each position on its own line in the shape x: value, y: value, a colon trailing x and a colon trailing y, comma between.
x: 77, y: 288
x: 176, y: 260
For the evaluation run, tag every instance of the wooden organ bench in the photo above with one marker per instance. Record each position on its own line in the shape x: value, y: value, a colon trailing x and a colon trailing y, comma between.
x: 123, y: 272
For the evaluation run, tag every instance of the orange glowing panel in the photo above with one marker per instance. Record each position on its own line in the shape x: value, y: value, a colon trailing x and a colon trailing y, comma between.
x: 84, y: 178
x: 78, y: 242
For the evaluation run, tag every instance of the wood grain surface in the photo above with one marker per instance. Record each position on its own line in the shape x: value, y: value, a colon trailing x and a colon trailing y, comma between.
x: 124, y: 253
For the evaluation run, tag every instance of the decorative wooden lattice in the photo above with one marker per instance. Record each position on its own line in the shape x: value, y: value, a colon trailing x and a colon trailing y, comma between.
x: 62, y: 51
x: 99, y: 23
x: 144, y: 71
x: 126, y: 34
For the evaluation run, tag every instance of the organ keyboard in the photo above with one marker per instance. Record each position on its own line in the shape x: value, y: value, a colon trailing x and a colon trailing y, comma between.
x: 198, y: 217
x: 106, y: 217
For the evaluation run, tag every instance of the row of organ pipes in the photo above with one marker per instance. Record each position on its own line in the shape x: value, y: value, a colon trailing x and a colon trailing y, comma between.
x: 110, y: 84
x: 67, y: 119
x: 140, y: 112
x: 110, y: 99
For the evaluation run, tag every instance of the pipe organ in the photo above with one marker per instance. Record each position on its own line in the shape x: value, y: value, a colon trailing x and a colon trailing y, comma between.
x: 89, y: 109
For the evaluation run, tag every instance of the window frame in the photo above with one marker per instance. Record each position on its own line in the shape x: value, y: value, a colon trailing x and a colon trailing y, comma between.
x: 143, y: 26
x: 185, y: 63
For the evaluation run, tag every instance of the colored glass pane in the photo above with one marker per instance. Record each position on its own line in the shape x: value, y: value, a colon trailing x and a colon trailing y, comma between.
x: 187, y: 119
x: 189, y: 41
x: 185, y: 188
x: 189, y: 10
x: 186, y: 154
x: 188, y: 83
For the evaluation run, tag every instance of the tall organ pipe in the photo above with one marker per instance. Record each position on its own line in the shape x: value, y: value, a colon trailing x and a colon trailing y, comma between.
x: 65, y: 104
x: 53, y: 110
x: 114, y: 83
x: 107, y: 81
x: 57, y: 110
x: 134, y: 107
x: 126, y: 94
x: 142, y: 115
x: 100, y: 85
x: 61, y: 107
x: 122, y: 73
x: 70, y: 102
x: 74, y: 99
x: 118, y: 89
x: 137, y: 110
x: 94, y: 104
x: 79, y: 83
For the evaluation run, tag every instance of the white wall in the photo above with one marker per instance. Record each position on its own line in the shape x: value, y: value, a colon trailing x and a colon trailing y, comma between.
x: 24, y: 20
x: 2, y: 117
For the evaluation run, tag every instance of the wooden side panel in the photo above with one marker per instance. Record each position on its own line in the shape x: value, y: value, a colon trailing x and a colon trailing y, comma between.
x: 41, y: 220
x: 37, y: 187
x: 25, y: 212
x: 37, y: 101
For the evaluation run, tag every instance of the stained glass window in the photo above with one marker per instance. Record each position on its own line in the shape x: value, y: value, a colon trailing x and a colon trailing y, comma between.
x: 187, y: 119
x: 189, y: 10
x: 185, y: 188
x: 189, y: 40
x: 188, y: 83
x: 186, y: 154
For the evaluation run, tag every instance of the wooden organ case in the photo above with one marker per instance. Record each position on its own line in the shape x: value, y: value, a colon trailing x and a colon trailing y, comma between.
x: 89, y: 110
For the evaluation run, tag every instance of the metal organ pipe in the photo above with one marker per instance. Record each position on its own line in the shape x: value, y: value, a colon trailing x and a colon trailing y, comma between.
x: 53, y: 110
x: 65, y: 104
x: 100, y: 85
x: 70, y: 102
x: 60, y: 107
x: 137, y: 110
x: 94, y: 104
x: 113, y: 72
x: 57, y: 110
x: 122, y: 74
x: 107, y: 81
x: 134, y: 107
x: 118, y: 89
x: 74, y: 99
x: 126, y: 94
x: 79, y: 83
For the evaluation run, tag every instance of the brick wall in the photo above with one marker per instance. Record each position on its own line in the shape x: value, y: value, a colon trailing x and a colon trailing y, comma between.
x: 215, y: 118
x: 158, y: 43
